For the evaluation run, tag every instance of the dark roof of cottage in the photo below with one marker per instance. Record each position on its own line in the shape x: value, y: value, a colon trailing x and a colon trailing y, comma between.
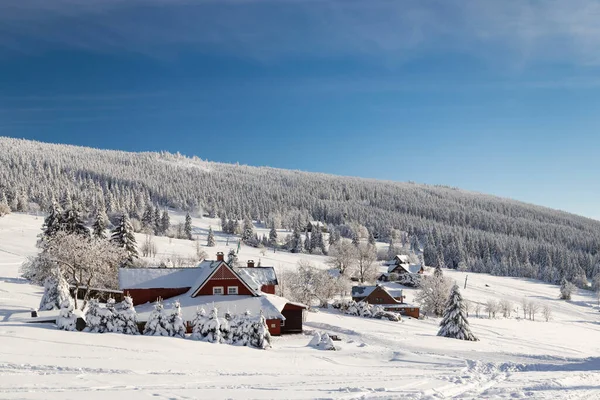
x: 362, y: 291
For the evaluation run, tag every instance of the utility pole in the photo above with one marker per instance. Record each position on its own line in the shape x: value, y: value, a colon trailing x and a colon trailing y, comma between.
x: 466, y: 277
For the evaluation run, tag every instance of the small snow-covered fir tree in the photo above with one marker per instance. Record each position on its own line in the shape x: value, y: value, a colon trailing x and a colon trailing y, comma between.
x: 248, y: 231
x: 454, y: 324
x: 187, y: 227
x: 93, y: 317
x: 213, y: 327
x: 176, y: 326
x: 225, y: 325
x: 99, y: 226
x: 295, y: 245
x: 199, y: 325
x: 122, y: 236
x: 307, y: 242
x: 157, y: 324
x: 273, y: 236
x: 316, y: 339
x: 566, y: 289
x: 127, y: 317
x: 232, y: 258
x: 66, y: 320
x: 165, y: 222
x: 4, y: 207
x: 109, y: 317
x: 72, y: 222
x: 52, y: 222
x: 260, y: 337
x: 210, y: 240
x: 56, y: 291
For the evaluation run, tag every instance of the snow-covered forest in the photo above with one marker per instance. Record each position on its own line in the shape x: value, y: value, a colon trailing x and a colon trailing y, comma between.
x: 456, y: 228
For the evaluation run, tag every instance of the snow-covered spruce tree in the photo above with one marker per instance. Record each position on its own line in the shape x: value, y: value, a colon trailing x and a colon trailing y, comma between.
x: 210, y: 240
x: 273, y: 236
x: 260, y: 337
x: 187, y: 227
x: 157, y: 324
x: 165, y: 222
x: 248, y: 232
x: 454, y: 324
x: 226, y: 332
x: 109, y: 317
x: 66, y: 320
x: 99, y: 226
x: 566, y: 289
x: 199, y: 325
x: 156, y: 221
x: 307, y: 242
x: 72, y: 222
x: 232, y: 258
x: 295, y: 245
x: 4, y: 207
x: 326, y: 342
x: 52, y: 222
x: 56, y: 291
x: 122, y: 236
x: 93, y: 317
x: 213, y: 327
x: 127, y: 317
x: 176, y: 326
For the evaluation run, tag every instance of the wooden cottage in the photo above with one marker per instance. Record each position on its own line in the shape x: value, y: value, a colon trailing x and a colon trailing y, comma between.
x: 390, y: 298
x: 214, y: 284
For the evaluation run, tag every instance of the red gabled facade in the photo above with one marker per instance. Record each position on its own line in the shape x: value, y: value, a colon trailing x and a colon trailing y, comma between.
x: 223, y: 277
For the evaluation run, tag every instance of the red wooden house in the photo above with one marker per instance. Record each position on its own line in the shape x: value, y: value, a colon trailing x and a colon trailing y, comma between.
x: 214, y: 284
x: 391, y: 299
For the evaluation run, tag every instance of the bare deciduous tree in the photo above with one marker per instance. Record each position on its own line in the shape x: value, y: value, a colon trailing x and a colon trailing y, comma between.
x: 506, y: 307
x: 434, y: 293
x: 87, y: 262
x: 366, y: 269
x: 342, y: 256
x: 547, y: 312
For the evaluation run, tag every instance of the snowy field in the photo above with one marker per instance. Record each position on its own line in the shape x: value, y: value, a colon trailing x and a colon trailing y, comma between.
x: 514, y: 358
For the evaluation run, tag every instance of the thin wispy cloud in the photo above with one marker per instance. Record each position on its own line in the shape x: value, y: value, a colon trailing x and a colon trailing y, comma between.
x: 523, y: 31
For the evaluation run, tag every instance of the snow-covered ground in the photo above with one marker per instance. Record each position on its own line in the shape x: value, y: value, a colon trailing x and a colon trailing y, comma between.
x: 514, y: 358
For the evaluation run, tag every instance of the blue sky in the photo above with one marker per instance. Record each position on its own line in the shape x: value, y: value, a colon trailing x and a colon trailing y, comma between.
x: 500, y: 97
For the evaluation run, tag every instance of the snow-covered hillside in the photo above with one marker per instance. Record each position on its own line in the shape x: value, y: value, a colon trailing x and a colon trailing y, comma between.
x: 514, y: 358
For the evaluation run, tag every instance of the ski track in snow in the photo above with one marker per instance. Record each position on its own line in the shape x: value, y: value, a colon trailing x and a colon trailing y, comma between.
x: 515, y: 359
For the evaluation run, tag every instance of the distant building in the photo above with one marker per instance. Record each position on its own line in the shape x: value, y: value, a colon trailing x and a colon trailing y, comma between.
x: 214, y: 283
x: 391, y: 299
x: 316, y: 225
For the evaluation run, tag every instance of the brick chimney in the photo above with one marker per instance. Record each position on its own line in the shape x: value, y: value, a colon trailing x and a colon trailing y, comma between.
x: 220, y: 256
x: 250, y: 263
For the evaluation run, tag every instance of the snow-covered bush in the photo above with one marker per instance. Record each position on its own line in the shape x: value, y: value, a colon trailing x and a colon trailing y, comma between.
x: 366, y: 310
x: 66, y: 320
x: 454, y: 324
x: 326, y: 342
x: 157, y: 324
x: 126, y: 317
x: 226, y: 332
x: 322, y: 341
x: 410, y: 280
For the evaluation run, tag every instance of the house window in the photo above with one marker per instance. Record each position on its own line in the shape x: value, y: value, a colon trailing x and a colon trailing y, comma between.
x: 218, y: 290
x: 273, y: 326
x: 232, y: 290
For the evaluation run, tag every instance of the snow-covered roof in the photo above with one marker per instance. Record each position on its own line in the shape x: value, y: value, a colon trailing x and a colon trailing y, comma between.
x: 414, y: 268
x: 151, y: 278
x: 395, y: 293
x: 256, y: 277
x: 316, y: 223
x: 403, y: 258
x: 362, y: 291
x: 270, y: 305
x: 410, y: 268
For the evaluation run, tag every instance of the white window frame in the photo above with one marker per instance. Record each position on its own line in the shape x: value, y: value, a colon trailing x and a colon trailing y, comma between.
x: 232, y: 287
x: 218, y: 287
x: 282, y: 322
